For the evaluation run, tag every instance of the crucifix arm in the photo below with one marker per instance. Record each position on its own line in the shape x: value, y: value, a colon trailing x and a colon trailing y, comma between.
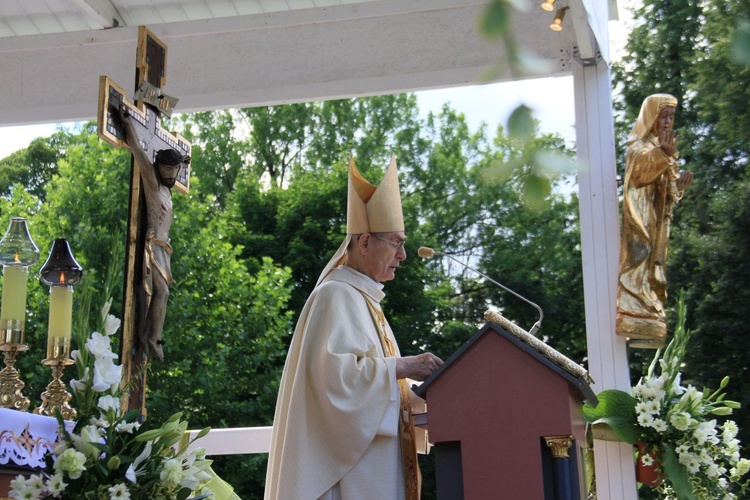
x: 148, y: 173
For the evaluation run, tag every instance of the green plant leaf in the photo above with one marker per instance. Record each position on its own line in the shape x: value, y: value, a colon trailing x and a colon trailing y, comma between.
x: 617, y: 410
x: 521, y: 123
x: 675, y: 474
x: 494, y: 20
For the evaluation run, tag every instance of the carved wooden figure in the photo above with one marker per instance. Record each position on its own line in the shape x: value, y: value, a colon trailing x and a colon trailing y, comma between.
x: 161, y: 163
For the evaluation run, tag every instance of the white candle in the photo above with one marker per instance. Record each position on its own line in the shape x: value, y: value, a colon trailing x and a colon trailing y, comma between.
x: 13, y: 308
x: 60, y: 320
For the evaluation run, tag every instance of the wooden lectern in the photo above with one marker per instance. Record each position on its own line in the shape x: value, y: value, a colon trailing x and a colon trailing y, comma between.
x: 504, y: 414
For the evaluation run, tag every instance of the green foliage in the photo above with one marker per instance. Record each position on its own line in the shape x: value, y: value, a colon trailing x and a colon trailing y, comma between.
x: 687, y: 49
x: 617, y: 410
x: 32, y: 167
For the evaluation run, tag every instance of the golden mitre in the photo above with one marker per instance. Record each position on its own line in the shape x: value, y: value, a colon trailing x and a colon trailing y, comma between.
x: 369, y: 209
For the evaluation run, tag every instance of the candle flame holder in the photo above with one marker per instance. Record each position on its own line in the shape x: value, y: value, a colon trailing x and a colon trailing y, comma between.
x: 60, y: 273
x: 17, y: 253
x: 56, y: 397
x: 10, y: 381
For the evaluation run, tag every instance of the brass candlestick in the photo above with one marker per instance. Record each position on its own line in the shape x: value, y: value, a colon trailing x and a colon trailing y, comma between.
x: 17, y: 253
x: 60, y: 272
x: 10, y: 381
x: 56, y: 396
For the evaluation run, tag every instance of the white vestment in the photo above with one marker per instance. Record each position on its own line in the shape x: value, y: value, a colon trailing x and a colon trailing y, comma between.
x: 336, y: 420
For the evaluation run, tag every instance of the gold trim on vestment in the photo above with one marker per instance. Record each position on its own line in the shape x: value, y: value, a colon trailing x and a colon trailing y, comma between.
x: 412, y: 475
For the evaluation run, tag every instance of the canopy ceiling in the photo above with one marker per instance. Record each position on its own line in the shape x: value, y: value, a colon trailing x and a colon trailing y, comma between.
x: 237, y: 53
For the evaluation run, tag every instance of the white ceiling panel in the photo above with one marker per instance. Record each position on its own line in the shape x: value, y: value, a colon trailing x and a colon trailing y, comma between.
x: 233, y: 53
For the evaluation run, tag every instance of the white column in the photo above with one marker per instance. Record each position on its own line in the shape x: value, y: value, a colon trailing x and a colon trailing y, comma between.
x: 608, y: 362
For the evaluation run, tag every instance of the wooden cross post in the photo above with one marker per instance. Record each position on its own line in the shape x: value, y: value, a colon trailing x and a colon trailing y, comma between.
x: 150, y: 104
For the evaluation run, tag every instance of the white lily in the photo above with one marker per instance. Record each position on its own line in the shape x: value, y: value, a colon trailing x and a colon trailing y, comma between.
x: 132, y: 473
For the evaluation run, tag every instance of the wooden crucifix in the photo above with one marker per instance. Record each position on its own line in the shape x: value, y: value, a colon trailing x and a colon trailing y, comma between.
x: 160, y: 162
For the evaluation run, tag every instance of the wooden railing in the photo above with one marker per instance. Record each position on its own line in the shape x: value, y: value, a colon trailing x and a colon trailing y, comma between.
x: 235, y: 441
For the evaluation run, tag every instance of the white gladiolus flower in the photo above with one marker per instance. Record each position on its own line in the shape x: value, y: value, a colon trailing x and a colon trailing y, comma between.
x: 108, y: 402
x: 107, y: 375
x: 99, y: 346
x: 111, y: 325
x: 80, y: 385
x: 105, y: 308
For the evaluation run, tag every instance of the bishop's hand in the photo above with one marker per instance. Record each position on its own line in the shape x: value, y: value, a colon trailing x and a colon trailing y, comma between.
x: 417, y: 367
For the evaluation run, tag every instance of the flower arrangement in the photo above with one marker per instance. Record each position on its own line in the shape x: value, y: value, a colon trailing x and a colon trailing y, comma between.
x: 109, y: 453
x: 695, y: 456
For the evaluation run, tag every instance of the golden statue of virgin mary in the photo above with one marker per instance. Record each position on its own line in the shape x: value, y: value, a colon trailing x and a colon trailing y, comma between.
x: 653, y: 186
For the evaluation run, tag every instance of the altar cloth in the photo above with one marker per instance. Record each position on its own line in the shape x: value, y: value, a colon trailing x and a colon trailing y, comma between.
x: 26, y: 437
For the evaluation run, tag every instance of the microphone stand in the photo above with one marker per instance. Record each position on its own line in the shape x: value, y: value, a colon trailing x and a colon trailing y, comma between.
x: 426, y: 253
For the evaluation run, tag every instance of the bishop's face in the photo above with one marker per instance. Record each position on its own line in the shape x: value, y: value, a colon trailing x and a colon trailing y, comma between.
x: 387, y: 252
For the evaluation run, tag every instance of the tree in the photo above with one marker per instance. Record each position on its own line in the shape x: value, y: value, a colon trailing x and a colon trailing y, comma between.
x: 709, y: 234
x: 33, y: 166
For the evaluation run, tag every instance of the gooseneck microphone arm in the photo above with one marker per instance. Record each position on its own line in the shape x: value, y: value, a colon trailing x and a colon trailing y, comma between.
x: 426, y: 253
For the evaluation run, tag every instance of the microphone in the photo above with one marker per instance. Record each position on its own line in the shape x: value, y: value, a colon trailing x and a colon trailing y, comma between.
x: 427, y: 252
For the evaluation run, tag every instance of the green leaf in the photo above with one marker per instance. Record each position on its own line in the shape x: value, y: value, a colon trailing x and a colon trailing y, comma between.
x: 100, y: 447
x: 183, y: 494
x: 521, y: 124
x: 676, y: 474
x: 494, y: 20
x: 617, y: 410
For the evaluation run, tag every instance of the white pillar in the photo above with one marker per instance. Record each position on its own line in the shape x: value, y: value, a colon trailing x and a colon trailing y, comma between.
x: 599, y: 220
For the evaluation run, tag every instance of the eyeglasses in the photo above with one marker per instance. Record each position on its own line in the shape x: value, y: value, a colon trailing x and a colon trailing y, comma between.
x: 396, y: 246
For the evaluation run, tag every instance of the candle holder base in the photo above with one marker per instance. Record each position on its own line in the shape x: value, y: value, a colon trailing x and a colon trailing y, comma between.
x: 10, y: 381
x: 56, y: 396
